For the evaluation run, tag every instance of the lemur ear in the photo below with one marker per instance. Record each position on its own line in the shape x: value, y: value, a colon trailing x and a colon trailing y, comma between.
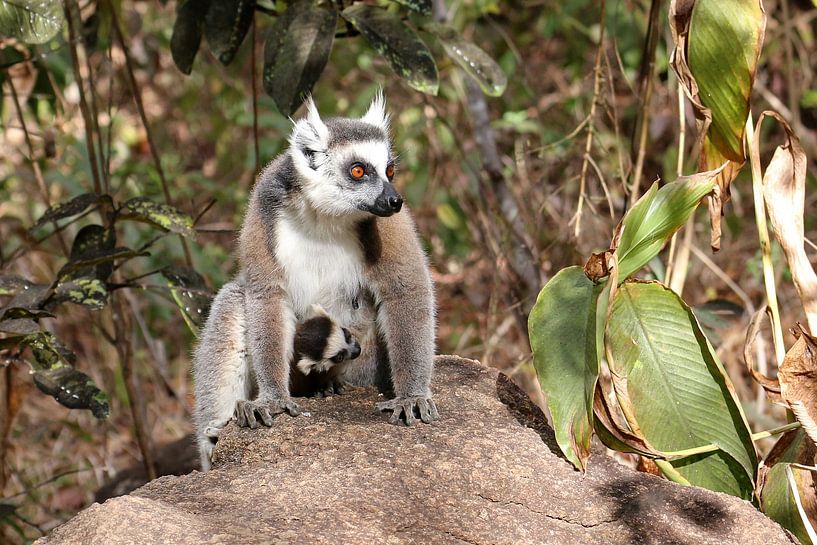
x: 310, y: 135
x: 376, y: 114
x: 316, y: 310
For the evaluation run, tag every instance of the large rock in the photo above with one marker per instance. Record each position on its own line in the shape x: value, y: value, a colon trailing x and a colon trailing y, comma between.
x: 487, y: 472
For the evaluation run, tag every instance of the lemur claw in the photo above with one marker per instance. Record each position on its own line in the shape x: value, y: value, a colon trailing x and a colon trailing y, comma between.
x: 406, y: 406
x: 246, y: 411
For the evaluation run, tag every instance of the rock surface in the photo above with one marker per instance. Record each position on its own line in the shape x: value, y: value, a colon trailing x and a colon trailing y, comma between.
x: 486, y: 472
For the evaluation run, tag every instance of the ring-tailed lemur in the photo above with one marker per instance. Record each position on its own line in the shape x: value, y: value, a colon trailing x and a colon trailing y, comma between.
x: 324, y: 225
x: 322, y: 349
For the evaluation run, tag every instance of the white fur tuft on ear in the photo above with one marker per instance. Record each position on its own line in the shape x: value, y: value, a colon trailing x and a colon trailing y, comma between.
x: 310, y: 133
x: 376, y: 114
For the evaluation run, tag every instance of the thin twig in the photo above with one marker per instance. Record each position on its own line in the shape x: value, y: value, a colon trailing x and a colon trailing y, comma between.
x: 35, y: 166
x: 124, y: 349
x: 647, y: 75
x: 83, y: 103
x: 253, y: 70
x: 137, y: 97
x: 588, y: 143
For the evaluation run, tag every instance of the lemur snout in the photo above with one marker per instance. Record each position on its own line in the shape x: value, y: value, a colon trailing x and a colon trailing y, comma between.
x: 354, y: 351
x: 396, y: 203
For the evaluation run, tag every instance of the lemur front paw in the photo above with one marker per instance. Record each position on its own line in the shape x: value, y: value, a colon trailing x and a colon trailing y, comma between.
x: 331, y: 387
x: 248, y: 413
x: 409, y: 408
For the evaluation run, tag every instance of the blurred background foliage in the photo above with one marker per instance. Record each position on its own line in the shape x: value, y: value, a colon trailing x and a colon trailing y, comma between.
x: 493, y: 182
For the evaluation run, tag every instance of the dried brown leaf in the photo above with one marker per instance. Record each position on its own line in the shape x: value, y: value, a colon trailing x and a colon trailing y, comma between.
x: 772, y: 386
x: 784, y: 188
x: 798, y: 381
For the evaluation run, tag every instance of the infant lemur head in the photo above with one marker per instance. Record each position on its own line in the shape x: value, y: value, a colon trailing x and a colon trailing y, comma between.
x: 347, y: 165
x: 320, y: 343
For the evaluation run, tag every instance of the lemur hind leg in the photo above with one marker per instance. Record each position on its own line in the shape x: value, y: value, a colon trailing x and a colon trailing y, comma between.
x: 221, y: 368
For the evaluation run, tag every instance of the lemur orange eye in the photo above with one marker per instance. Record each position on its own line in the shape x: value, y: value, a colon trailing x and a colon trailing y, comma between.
x: 357, y: 171
x: 390, y: 172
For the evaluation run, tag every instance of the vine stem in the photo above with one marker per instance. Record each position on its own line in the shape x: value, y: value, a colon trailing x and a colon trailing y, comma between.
x: 678, y: 260
x: 674, y: 455
x: 765, y: 243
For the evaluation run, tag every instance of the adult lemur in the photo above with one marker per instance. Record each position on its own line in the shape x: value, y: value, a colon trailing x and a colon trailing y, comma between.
x: 322, y: 227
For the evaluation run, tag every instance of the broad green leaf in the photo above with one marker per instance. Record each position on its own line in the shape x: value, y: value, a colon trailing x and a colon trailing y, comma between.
x: 402, y: 48
x: 163, y: 215
x: 476, y: 62
x: 296, y: 52
x: 420, y: 6
x: 562, y: 332
x: 659, y: 213
x: 31, y: 21
x: 75, y: 206
x: 187, y: 32
x: 73, y: 389
x: 724, y: 42
x: 226, y: 23
x: 781, y: 479
x: 672, y: 387
x: 717, y: 47
x: 190, y: 294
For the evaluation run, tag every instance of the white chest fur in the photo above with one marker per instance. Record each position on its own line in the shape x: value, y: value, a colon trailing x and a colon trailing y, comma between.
x: 322, y: 266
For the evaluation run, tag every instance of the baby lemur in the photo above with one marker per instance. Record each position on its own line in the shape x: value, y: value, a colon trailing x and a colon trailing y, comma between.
x: 324, y: 226
x: 322, y: 348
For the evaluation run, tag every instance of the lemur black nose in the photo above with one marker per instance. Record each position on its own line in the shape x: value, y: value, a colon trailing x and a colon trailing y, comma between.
x: 396, y: 203
x: 355, y: 351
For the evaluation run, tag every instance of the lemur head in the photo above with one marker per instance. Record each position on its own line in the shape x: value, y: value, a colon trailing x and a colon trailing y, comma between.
x: 347, y: 165
x: 320, y: 343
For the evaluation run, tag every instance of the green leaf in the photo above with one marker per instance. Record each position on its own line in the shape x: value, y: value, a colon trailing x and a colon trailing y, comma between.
x: 402, y: 48
x: 31, y: 21
x: 725, y: 38
x: 226, y: 23
x: 562, y: 331
x: 781, y: 479
x: 55, y: 376
x: 11, y: 284
x: 187, y: 32
x: 88, y: 292
x: 190, y: 294
x: 476, y: 62
x: 92, y: 254
x: 659, y: 213
x: 75, y: 206
x: 163, y: 215
x: 16, y: 313
x: 19, y: 326
x: 73, y: 389
x: 420, y: 6
x: 673, y: 389
x: 296, y: 53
